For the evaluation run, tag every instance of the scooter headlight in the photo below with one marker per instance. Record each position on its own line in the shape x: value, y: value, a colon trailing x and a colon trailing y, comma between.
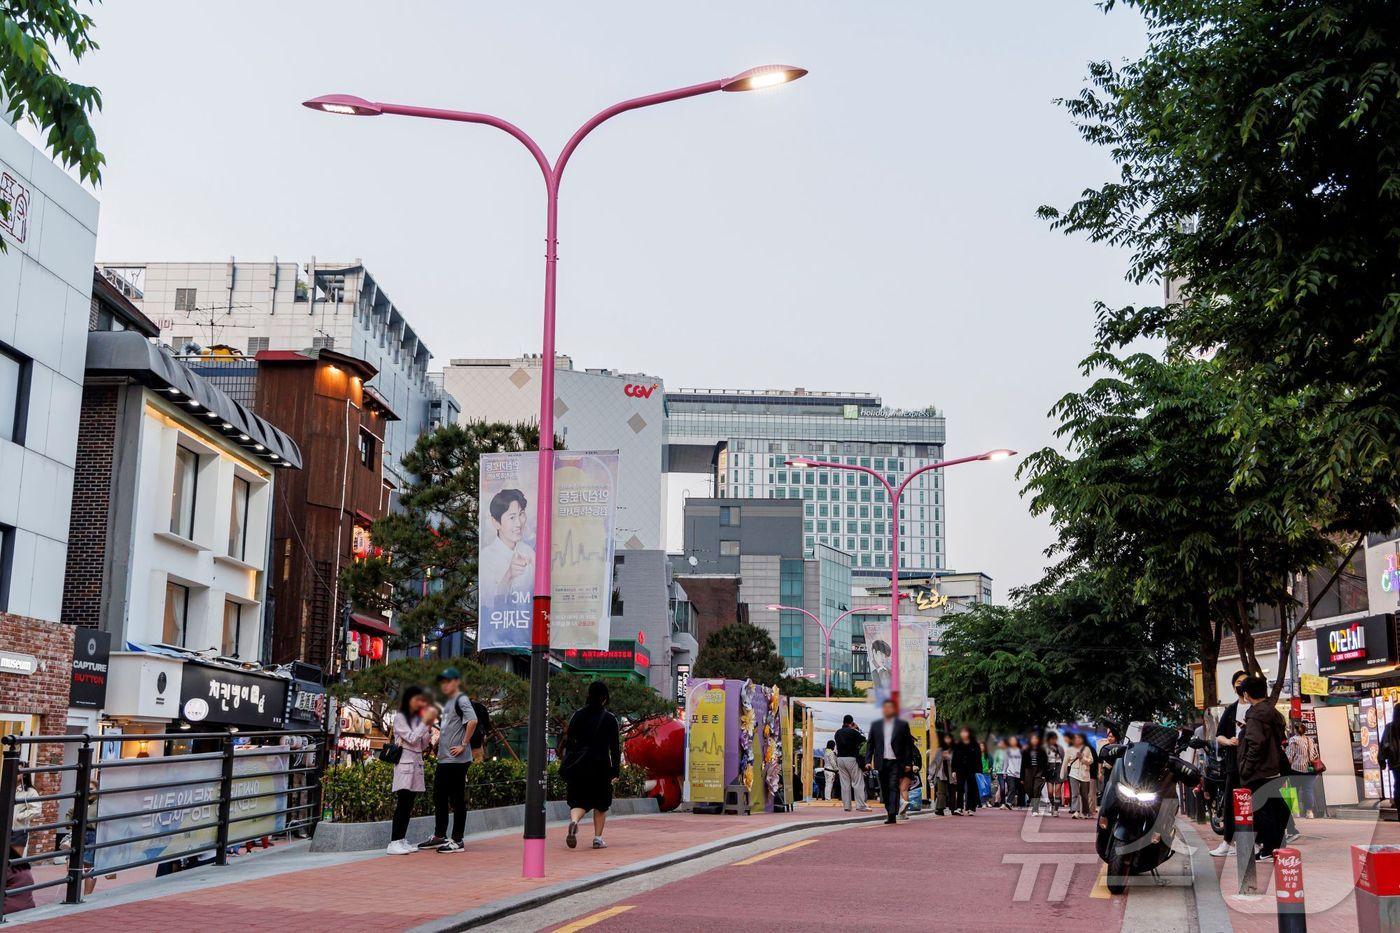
x: 1141, y: 796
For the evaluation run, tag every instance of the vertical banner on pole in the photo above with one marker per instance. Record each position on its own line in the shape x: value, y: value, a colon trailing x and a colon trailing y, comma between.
x: 585, y: 488
x: 913, y: 666
x: 705, y: 741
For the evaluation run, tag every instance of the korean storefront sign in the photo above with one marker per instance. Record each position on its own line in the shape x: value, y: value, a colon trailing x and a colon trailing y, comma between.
x: 221, y: 695
x: 1356, y: 645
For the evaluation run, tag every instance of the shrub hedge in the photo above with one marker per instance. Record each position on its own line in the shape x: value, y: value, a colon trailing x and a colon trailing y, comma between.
x: 361, y: 793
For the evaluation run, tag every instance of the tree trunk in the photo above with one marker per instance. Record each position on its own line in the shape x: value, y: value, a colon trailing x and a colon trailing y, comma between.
x: 1210, y: 656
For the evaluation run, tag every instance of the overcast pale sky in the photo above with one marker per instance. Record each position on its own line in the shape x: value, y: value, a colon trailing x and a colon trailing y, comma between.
x: 870, y: 227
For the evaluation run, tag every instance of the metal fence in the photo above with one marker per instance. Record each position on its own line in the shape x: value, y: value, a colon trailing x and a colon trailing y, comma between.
x: 301, y: 810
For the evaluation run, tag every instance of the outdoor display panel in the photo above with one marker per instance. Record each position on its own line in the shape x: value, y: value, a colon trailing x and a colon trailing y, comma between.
x: 913, y: 663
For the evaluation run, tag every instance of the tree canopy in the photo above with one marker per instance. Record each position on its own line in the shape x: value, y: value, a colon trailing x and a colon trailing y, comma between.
x: 740, y: 651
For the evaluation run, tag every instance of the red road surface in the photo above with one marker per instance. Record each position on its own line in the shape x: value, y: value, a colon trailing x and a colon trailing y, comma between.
x: 943, y: 873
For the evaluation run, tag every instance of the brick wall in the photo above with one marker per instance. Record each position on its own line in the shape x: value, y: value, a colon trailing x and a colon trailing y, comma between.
x: 43, y: 693
x: 714, y: 602
x: 92, y: 488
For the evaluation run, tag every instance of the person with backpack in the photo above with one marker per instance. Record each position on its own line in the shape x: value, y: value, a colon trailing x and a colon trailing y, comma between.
x: 590, y: 759
x: 411, y: 736
x: 454, y: 756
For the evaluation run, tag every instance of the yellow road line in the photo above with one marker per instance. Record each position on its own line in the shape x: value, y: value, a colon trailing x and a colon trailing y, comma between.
x: 779, y: 851
x: 594, y: 918
x: 1100, y: 884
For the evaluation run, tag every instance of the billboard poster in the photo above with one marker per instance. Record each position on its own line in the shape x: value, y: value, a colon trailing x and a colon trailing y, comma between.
x: 191, y: 826
x: 585, y: 486
x: 913, y: 663
x: 706, y: 744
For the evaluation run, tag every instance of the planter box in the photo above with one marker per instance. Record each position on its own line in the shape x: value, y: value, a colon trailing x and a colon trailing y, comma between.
x: 366, y: 837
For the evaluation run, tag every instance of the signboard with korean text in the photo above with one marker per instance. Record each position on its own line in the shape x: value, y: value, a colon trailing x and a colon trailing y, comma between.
x: 173, y: 782
x: 222, y: 695
x: 1356, y: 645
x: 584, y: 511
x: 705, y: 738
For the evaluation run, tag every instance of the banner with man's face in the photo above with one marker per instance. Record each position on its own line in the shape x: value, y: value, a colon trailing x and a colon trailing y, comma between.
x: 913, y: 663
x: 585, y: 492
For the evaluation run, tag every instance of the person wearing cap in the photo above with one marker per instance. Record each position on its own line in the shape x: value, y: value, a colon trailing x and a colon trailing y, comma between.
x: 454, y: 755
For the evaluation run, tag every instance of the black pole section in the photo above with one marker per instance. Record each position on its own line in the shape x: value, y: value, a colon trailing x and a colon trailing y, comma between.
x: 78, y: 841
x: 9, y: 786
x: 535, y: 745
x: 225, y: 803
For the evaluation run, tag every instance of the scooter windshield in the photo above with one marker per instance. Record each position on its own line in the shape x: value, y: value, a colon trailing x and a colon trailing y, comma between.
x: 1142, y: 766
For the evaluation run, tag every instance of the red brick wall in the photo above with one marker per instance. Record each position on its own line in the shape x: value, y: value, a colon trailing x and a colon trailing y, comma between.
x: 92, y: 500
x: 43, y: 693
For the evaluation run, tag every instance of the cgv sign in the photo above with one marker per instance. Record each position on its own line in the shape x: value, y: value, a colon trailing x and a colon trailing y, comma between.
x: 632, y: 390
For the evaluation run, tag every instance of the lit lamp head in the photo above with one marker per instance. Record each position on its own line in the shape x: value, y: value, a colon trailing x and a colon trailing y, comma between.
x: 798, y: 462
x: 774, y: 608
x: 1001, y: 454
x: 345, y: 104
x: 756, y: 79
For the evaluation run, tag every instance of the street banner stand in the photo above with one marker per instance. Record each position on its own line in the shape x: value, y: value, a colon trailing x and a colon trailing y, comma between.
x: 734, y: 735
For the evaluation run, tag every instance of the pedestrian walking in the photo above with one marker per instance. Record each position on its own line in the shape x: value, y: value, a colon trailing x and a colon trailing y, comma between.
x: 829, y: 791
x: 1012, y: 772
x: 889, y: 754
x: 998, y: 773
x: 848, y: 740
x: 1301, y: 755
x: 1261, y: 764
x: 940, y: 775
x: 1054, y: 782
x: 1389, y: 753
x: 966, y: 764
x: 412, y: 736
x: 1035, y: 771
x: 911, y: 781
x: 454, y: 757
x: 1078, y: 768
x: 1227, y: 740
x: 590, y: 759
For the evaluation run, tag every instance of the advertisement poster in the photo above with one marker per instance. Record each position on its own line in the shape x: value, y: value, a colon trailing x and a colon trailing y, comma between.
x: 706, y: 741
x: 192, y: 826
x: 585, y: 486
x: 913, y: 663
x: 1371, y: 719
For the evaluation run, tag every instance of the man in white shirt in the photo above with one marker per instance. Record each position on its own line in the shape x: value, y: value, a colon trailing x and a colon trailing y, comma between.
x: 506, y: 563
x: 890, y: 751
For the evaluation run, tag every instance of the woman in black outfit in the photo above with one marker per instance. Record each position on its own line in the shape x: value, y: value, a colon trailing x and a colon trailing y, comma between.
x: 590, y: 759
x: 967, y: 764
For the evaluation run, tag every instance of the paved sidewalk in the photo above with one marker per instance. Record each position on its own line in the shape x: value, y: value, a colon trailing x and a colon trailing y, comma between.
x: 365, y: 891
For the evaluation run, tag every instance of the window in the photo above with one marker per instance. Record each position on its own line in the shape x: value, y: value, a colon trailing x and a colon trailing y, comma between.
x: 183, y: 496
x: 179, y: 342
x: 730, y: 515
x: 233, y: 628
x: 367, y: 445
x: 238, y: 519
x: 14, y: 389
x: 185, y: 299
x: 177, y: 611
x: 729, y: 549
x: 327, y: 343
x: 7, y: 548
x: 256, y: 345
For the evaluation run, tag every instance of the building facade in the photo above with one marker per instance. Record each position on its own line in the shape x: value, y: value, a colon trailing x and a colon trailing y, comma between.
x: 651, y: 607
x: 255, y: 306
x: 742, y: 438
x: 321, y: 400
x: 827, y: 594
x: 594, y: 409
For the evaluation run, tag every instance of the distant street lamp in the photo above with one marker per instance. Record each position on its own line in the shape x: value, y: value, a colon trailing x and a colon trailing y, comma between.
x: 346, y: 104
x: 826, y: 633
x: 894, y: 494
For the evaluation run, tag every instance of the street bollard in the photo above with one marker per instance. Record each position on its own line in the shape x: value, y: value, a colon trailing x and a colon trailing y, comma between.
x: 1288, y: 891
x: 1245, y: 866
x: 1376, y: 871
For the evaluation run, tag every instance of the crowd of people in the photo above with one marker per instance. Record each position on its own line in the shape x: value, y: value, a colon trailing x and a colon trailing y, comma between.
x: 589, y: 751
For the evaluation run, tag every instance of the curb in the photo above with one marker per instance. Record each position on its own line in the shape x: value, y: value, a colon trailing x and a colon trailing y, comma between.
x: 1211, y: 911
x: 498, y: 910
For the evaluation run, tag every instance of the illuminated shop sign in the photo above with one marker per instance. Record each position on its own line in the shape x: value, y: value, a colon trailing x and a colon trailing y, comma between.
x: 1356, y: 645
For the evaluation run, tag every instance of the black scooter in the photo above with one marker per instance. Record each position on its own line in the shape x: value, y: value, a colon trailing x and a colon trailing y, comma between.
x: 1137, y: 809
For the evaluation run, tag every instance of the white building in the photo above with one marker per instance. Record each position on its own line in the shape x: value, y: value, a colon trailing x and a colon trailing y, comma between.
x: 176, y: 481
x: 252, y: 306
x: 45, y: 296
x: 594, y: 409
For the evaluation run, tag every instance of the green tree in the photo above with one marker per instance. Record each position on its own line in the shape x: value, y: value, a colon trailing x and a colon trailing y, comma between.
x: 1257, y: 151
x: 31, y: 86
x: 634, y: 704
x: 740, y: 651
x: 427, y: 571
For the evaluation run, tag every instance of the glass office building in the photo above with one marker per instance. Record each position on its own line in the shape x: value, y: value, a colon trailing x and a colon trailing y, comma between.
x: 743, y: 438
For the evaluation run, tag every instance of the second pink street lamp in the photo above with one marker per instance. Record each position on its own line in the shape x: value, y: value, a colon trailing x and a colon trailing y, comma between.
x: 895, y: 494
x: 826, y: 632
x: 752, y: 80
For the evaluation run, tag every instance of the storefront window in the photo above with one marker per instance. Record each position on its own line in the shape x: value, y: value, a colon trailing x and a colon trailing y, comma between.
x: 183, y: 495
x: 238, y: 518
x: 233, y: 628
x: 177, y: 609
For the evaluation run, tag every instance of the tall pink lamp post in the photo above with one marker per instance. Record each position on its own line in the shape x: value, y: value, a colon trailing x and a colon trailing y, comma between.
x: 826, y: 632
x: 895, y: 494
x: 751, y: 80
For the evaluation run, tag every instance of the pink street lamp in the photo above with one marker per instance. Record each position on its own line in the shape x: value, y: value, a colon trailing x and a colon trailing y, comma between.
x: 751, y: 80
x: 826, y: 633
x: 895, y: 494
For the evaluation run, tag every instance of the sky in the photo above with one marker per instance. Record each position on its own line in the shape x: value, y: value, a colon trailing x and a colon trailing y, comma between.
x: 871, y: 227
